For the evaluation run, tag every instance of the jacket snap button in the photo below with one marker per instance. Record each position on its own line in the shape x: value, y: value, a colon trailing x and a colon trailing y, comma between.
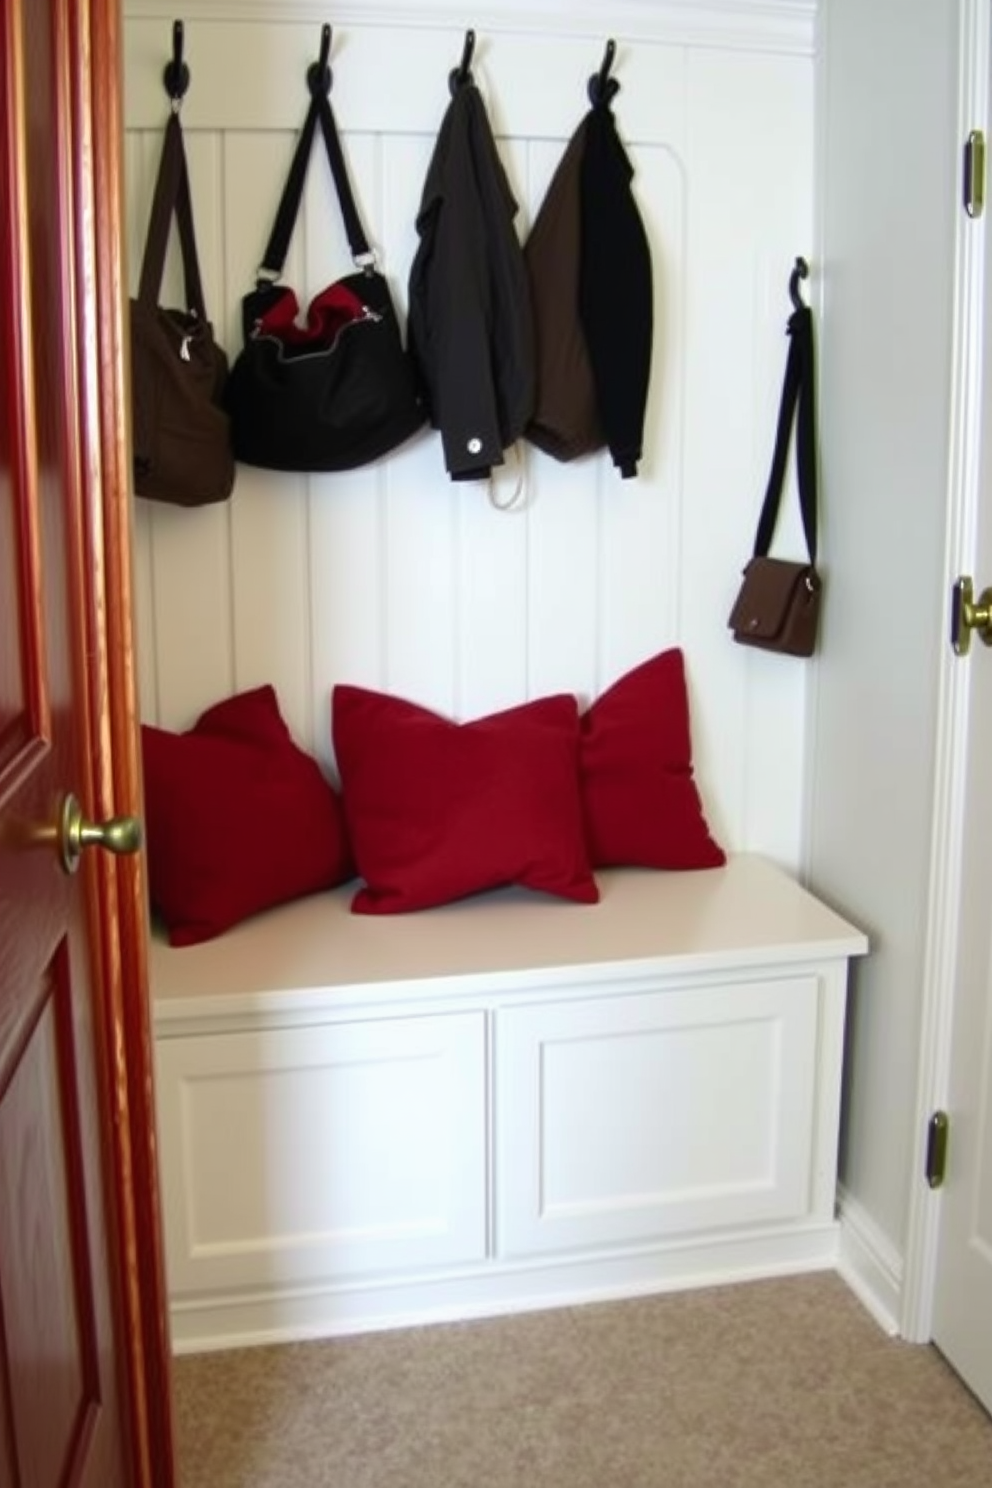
x: 474, y: 446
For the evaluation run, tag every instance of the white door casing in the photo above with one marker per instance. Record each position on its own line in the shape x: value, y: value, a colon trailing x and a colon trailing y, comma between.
x: 962, y: 1319
x: 948, y: 1291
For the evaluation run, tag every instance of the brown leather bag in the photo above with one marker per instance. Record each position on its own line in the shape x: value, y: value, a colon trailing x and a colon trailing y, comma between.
x: 181, y: 440
x: 778, y: 605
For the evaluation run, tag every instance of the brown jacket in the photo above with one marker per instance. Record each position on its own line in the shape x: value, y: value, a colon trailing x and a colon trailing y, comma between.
x: 565, y: 422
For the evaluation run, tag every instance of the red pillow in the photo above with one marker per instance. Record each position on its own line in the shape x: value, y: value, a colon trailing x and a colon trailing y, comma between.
x: 641, y: 804
x: 438, y: 810
x: 237, y: 818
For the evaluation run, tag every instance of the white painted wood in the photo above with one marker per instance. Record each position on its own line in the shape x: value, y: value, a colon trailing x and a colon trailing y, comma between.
x: 311, y: 1154
x: 628, y: 1096
x: 288, y: 1314
x: 452, y: 1295
x: 962, y: 1259
x: 391, y: 576
x: 315, y: 954
x: 869, y: 1263
x: 766, y: 25
x: 663, y: 1113
x: 950, y: 771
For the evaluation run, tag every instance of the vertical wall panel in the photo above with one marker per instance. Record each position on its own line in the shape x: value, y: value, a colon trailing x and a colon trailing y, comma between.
x: 270, y: 590
x: 749, y: 149
x: 184, y: 556
x: 345, y: 507
x: 140, y: 155
x: 395, y: 577
x: 564, y: 573
x: 641, y: 518
x: 493, y: 531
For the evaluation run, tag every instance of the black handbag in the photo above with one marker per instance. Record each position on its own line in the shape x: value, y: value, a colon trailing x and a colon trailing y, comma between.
x: 336, y: 390
x: 778, y: 605
x: 180, y: 432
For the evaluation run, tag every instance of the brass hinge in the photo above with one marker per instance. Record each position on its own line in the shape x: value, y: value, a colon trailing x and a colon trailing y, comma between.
x: 974, y: 173
x: 937, y: 1148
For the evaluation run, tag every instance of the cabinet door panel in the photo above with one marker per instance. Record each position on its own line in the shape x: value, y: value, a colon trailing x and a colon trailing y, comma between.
x: 655, y: 1114
x: 308, y: 1154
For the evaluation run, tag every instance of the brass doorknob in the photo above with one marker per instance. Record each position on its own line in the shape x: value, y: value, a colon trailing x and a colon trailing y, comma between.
x: 121, y: 834
x: 967, y: 616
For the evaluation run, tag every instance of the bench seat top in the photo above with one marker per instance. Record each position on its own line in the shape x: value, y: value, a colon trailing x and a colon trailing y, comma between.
x: 748, y: 913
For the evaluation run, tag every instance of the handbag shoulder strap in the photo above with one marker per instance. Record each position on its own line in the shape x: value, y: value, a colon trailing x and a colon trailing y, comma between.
x: 798, y: 404
x: 289, y: 205
x: 172, y: 194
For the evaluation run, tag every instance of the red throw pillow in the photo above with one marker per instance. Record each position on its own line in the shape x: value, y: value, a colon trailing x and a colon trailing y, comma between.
x: 237, y: 818
x: 438, y: 810
x: 642, y: 808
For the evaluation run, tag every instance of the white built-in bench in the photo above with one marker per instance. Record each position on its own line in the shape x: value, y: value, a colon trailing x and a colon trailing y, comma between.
x: 507, y: 1103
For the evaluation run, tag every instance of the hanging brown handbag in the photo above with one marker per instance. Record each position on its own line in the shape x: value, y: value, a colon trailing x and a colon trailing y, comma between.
x: 334, y: 388
x: 181, y: 440
x: 778, y: 605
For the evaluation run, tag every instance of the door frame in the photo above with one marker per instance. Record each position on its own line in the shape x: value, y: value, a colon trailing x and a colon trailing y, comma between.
x: 953, y: 694
x: 117, y: 910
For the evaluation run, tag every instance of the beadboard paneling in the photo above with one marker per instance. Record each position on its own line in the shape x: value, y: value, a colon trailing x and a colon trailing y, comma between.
x: 393, y: 577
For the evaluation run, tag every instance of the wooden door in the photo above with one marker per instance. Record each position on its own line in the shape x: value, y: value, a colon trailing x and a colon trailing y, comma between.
x: 83, y: 1358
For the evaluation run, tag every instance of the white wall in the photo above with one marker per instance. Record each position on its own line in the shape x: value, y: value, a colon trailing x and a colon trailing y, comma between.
x: 390, y: 576
x: 889, y: 174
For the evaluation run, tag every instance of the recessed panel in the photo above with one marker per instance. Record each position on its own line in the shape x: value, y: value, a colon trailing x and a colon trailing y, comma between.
x: 47, y: 1337
x: 11, y: 675
x: 653, y: 1115
x: 658, y: 1130
x: 20, y: 641
x: 321, y: 1152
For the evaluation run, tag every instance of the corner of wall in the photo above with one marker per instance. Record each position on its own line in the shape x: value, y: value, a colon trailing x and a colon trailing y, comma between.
x: 869, y: 1263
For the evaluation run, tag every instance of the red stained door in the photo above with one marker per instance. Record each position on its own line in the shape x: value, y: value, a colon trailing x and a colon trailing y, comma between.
x: 83, y: 1355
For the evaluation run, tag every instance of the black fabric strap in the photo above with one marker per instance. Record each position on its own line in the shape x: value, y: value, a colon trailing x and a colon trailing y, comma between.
x: 289, y: 205
x: 172, y: 194
x: 799, y: 404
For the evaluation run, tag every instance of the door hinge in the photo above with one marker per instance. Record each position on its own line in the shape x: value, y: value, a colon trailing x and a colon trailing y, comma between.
x: 937, y: 1130
x: 974, y: 173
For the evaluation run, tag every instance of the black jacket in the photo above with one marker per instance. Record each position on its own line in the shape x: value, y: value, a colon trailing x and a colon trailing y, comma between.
x: 615, y: 293
x: 470, y: 327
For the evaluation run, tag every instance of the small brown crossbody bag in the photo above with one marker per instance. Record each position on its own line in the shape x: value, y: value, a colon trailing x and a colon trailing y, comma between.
x: 778, y: 605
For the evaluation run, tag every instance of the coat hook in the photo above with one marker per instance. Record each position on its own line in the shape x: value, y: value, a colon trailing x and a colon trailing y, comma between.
x: 801, y: 271
x: 462, y: 74
x: 176, y: 73
x: 319, y: 73
x: 602, y: 88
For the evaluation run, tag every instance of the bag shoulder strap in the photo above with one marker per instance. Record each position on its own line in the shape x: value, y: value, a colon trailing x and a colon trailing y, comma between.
x: 172, y: 194
x: 289, y: 205
x: 798, y: 404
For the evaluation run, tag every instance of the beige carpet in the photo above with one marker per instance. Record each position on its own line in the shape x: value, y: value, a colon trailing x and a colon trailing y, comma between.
x: 782, y: 1384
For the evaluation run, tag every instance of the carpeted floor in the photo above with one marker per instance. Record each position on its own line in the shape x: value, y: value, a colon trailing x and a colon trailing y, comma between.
x: 779, y: 1384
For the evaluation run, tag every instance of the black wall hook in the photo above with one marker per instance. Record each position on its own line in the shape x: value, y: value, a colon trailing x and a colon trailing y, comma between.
x: 801, y: 271
x: 462, y: 74
x: 319, y: 73
x: 176, y: 73
x: 602, y: 88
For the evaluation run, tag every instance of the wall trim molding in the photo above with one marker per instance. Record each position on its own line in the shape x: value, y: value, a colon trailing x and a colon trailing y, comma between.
x: 869, y: 1263
x: 220, y: 1320
x: 783, y: 26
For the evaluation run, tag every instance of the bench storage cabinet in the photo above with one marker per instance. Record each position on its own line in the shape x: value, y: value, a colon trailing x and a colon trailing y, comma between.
x: 509, y: 1102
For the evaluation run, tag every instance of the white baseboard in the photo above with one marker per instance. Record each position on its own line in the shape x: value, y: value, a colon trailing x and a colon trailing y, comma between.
x: 290, y: 1315
x: 869, y: 1263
